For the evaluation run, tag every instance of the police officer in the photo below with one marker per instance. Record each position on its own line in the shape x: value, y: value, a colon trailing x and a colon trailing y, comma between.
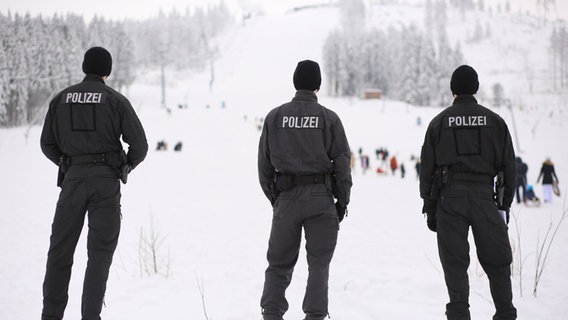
x: 303, y: 164
x: 465, y: 147
x: 81, y: 134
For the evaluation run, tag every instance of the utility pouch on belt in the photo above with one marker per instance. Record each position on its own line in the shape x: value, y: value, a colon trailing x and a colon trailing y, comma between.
x: 283, y: 182
x: 115, y: 159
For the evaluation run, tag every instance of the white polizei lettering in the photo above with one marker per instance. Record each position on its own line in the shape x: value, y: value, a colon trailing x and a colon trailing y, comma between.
x: 83, y: 97
x: 305, y: 122
x: 467, y: 121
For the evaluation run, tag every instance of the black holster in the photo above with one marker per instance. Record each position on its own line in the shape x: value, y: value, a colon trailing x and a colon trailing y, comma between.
x: 440, y: 177
x: 64, y: 163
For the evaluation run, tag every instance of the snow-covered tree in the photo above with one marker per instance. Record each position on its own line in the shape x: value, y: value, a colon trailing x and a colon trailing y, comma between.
x: 352, y: 15
x: 498, y: 95
x: 332, y: 61
x: 481, y: 5
x: 559, y: 57
x: 404, y: 63
x: 40, y: 56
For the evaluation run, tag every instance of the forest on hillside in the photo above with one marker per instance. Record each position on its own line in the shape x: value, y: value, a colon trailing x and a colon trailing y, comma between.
x: 409, y: 63
x: 40, y: 56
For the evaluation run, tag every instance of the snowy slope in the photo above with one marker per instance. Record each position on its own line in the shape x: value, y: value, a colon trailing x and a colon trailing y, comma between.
x: 213, y: 221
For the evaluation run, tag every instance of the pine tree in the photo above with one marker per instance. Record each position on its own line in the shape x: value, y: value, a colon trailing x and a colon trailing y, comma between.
x: 121, y: 48
x: 4, y: 27
x: 332, y: 61
x: 427, y: 88
x: 18, y: 80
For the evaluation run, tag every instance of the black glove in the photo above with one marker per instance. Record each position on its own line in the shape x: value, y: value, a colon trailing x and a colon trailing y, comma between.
x: 341, y: 211
x: 429, y: 209
x: 431, y: 221
x: 124, y: 171
x: 429, y: 206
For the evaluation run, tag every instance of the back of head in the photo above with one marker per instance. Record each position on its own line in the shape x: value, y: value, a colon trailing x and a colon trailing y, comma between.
x: 97, y: 61
x: 464, y: 81
x: 307, y: 76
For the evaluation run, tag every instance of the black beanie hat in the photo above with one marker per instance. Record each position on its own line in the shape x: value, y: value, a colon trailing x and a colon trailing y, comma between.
x: 307, y: 75
x: 97, y: 61
x: 464, y: 81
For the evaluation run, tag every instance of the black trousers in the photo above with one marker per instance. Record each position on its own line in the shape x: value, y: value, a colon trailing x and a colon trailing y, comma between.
x: 470, y: 204
x: 96, y: 190
x: 312, y: 208
x: 523, y: 188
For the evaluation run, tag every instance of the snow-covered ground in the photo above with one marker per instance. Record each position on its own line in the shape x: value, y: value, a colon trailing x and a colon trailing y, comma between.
x: 206, y: 207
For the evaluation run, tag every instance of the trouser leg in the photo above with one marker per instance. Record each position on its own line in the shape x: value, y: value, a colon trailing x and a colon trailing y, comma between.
x: 65, y: 232
x: 102, y: 239
x: 321, y: 239
x: 453, y: 248
x: 517, y: 193
x: 547, y: 193
x: 495, y: 256
x: 282, y: 255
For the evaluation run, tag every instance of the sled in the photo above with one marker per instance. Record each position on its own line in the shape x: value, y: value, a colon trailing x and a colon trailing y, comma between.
x: 555, y: 189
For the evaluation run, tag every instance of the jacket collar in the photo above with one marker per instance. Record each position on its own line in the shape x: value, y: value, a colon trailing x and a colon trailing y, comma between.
x: 465, y: 98
x: 305, y: 95
x: 93, y: 77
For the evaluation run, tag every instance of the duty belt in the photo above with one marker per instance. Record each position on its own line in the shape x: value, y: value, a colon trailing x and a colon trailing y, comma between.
x: 283, y: 182
x: 311, y: 179
x: 469, y: 176
x: 94, y: 159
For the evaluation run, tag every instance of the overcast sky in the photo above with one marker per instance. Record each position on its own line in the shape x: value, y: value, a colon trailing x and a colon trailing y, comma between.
x: 141, y: 9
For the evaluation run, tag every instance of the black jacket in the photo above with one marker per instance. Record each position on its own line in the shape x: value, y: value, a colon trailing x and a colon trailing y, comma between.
x: 547, y: 173
x: 302, y: 137
x: 522, y: 170
x: 468, y: 137
x: 91, y: 118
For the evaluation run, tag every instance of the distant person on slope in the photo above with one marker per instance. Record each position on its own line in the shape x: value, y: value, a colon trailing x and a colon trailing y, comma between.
x: 393, y: 165
x: 531, y: 199
x: 549, y: 180
x: 82, y: 135
x: 465, y: 147
x: 522, y: 170
x: 303, y: 164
